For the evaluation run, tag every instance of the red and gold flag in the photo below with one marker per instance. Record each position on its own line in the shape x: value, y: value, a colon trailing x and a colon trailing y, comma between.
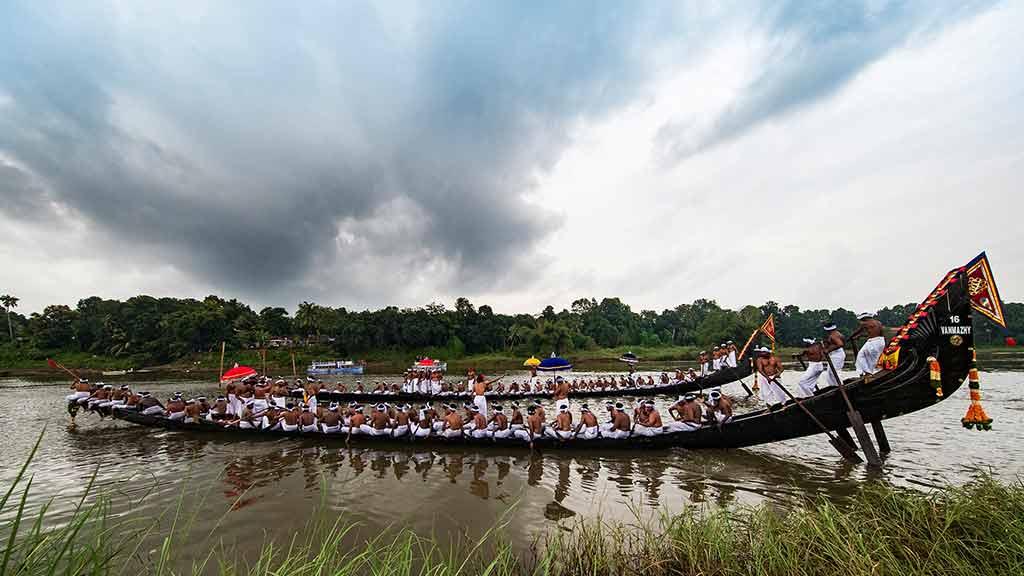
x: 768, y: 328
x: 981, y: 288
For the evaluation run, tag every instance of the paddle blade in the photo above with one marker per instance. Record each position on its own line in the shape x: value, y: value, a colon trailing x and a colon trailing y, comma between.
x: 844, y: 450
x: 52, y: 363
x: 1011, y: 341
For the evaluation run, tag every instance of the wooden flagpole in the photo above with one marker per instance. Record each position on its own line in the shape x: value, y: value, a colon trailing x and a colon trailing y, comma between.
x: 749, y: 340
x: 221, y: 363
x: 294, y: 373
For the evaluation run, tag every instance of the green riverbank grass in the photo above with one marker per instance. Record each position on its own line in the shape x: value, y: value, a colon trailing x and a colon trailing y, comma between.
x: 973, y: 530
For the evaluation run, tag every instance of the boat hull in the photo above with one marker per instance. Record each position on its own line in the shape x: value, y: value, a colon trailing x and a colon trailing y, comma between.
x: 891, y: 393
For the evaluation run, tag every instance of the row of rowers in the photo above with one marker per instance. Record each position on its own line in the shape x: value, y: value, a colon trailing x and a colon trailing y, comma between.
x: 721, y: 356
x: 542, y: 386
x: 262, y: 387
x: 449, y: 420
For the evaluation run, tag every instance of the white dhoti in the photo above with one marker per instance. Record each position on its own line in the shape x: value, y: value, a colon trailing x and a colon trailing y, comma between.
x: 76, y: 396
x: 234, y: 405
x: 176, y: 415
x: 838, y: 357
x: 588, y: 433
x: 770, y: 392
x: 279, y: 401
x: 870, y: 352
x: 401, y: 430
x: 809, y: 380
x: 330, y: 429
x: 481, y: 433
x: 438, y: 426
x: 312, y: 403
x: 615, y: 434
x: 506, y: 433
x: 246, y: 425
x: 309, y: 428
x: 647, y: 430
x: 481, y: 404
x: 371, y: 431
x: 523, y: 435
x: 153, y: 411
x: 288, y: 427
x: 260, y: 405
x: 452, y: 433
x: 558, y: 434
x: 422, y: 432
x: 681, y: 426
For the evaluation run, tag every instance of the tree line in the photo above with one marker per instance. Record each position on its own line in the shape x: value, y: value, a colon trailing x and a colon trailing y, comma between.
x: 166, y: 329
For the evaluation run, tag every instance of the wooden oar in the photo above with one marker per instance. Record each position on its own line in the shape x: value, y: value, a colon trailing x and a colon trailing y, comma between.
x: 856, y: 420
x: 58, y: 366
x: 840, y: 445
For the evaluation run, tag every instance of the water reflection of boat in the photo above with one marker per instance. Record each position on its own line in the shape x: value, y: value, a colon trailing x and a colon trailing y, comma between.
x: 940, y: 329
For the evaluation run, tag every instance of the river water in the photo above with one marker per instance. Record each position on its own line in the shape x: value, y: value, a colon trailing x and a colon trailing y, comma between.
x: 252, y: 487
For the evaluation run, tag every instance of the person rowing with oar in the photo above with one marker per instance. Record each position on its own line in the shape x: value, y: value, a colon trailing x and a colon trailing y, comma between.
x: 588, y: 424
x: 648, y: 422
x: 403, y: 417
x: 330, y: 423
x: 424, y: 422
x: 719, y: 408
x: 452, y: 423
x: 686, y: 413
x: 814, y: 357
x: 871, y: 350
x: 768, y: 369
x: 477, y: 426
x: 619, y: 426
x: 82, y: 391
x: 834, y: 346
x: 561, y: 427
x: 499, y: 425
x: 534, y: 426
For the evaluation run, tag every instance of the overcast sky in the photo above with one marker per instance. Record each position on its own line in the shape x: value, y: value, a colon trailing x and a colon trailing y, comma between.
x: 517, y: 153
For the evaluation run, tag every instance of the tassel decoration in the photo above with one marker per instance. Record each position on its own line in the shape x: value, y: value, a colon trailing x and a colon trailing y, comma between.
x: 976, y: 417
x: 936, y: 375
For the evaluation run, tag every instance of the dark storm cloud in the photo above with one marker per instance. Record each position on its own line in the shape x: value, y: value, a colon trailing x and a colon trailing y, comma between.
x: 817, y: 47
x: 232, y: 145
x: 255, y: 147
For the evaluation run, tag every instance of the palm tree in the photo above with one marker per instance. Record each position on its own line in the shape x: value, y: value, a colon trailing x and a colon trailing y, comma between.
x: 9, y: 302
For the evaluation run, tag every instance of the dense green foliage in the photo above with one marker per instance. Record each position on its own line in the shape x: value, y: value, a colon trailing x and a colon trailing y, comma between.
x: 162, y: 329
x: 971, y: 530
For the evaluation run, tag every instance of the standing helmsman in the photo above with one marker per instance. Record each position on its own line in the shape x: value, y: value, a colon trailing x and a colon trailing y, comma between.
x: 871, y: 351
x: 833, y: 346
x: 769, y: 369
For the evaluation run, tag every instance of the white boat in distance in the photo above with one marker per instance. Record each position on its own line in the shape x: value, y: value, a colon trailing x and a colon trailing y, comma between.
x: 332, y: 367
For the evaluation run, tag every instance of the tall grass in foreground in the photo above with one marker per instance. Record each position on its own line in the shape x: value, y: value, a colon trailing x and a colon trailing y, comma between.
x: 972, y: 530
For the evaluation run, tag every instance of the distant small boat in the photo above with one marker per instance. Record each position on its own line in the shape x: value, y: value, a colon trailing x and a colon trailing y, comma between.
x: 125, y: 372
x: 334, y: 367
x: 629, y: 358
x: 429, y: 365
